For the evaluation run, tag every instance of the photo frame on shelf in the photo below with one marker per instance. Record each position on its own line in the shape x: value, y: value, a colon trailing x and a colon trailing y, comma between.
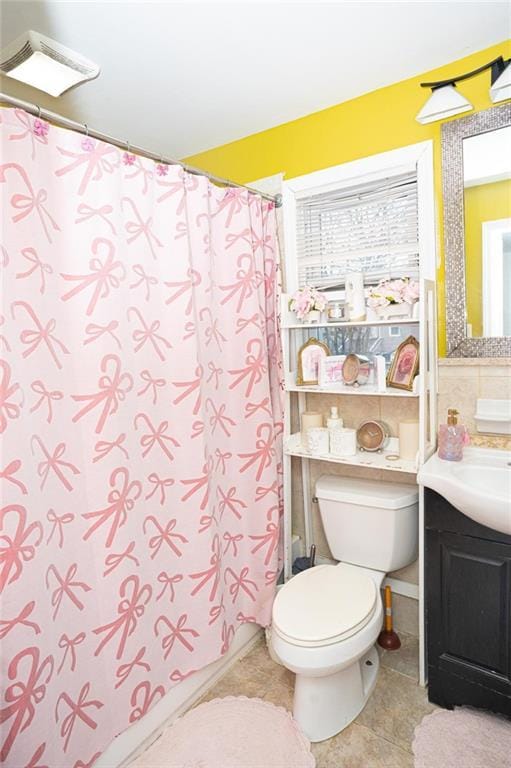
x: 330, y: 370
x: 405, y: 365
x: 309, y: 360
x: 356, y: 370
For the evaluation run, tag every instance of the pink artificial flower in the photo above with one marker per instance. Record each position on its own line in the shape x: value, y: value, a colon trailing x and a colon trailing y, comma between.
x: 162, y: 169
x: 374, y: 301
x: 395, y: 291
x: 319, y: 300
x: 392, y: 295
x: 306, y: 299
x: 128, y: 158
x: 41, y: 128
x: 411, y: 291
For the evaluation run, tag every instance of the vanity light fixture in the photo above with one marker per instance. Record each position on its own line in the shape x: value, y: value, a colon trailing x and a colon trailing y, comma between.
x: 500, y: 80
x: 45, y: 64
x: 445, y: 101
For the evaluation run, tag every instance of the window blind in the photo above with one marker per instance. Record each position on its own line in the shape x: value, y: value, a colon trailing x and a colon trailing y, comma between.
x: 370, y: 228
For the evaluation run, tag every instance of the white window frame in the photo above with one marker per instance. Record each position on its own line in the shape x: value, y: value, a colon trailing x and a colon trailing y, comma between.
x: 413, y: 158
x: 493, y: 275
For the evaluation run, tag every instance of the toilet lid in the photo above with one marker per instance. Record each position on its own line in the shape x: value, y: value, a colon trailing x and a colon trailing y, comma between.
x: 324, y: 604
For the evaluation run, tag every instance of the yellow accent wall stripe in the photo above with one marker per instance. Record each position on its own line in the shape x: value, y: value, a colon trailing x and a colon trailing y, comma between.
x: 375, y: 122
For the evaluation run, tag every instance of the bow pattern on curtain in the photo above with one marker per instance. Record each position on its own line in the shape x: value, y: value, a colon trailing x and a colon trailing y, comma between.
x: 141, y: 421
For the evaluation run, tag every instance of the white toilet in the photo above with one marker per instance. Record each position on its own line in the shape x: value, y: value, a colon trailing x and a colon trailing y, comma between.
x: 326, y: 619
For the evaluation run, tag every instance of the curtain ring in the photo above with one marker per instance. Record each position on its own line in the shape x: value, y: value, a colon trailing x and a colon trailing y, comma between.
x: 86, y: 130
x: 38, y: 111
x: 128, y: 147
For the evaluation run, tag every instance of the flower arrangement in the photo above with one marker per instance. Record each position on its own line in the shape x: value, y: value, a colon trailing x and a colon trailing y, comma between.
x: 306, y: 300
x: 400, y: 291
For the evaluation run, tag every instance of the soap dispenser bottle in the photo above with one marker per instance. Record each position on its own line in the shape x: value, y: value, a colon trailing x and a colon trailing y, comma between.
x: 334, y: 421
x: 451, y: 438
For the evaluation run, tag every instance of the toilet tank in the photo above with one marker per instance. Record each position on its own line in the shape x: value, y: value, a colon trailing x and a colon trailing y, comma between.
x: 368, y: 522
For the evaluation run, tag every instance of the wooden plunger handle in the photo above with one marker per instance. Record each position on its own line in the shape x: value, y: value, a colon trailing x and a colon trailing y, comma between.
x: 388, y: 609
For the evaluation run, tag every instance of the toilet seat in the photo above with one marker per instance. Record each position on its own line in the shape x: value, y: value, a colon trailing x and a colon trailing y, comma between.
x: 324, y: 605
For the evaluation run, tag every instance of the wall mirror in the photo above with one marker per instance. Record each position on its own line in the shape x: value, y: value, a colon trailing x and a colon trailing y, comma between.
x: 476, y: 171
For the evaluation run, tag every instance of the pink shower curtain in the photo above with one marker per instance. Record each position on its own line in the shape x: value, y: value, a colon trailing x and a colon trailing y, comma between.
x: 140, y: 420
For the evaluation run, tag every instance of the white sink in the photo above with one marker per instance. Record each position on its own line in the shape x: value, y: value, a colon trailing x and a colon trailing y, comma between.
x: 479, y: 485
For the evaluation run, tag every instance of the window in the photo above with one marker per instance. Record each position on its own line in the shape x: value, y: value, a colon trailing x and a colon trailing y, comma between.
x: 369, y: 227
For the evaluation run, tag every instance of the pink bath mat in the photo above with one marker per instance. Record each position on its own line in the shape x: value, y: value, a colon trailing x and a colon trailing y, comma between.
x: 463, y: 738
x: 235, y: 732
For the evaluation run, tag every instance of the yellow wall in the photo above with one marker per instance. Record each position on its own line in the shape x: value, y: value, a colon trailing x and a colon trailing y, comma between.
x: 485, y: 202
x: 376, y: 122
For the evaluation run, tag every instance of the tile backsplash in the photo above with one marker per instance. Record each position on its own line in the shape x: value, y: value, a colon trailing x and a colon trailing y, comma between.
x: 462, y: 380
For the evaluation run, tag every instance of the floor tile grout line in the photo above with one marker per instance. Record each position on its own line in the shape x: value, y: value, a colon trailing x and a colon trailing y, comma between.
x: 380, y: 736
x: 403, y: 674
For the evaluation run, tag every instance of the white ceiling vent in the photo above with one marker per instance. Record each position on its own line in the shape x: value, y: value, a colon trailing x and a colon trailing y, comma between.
x: 45, y: 64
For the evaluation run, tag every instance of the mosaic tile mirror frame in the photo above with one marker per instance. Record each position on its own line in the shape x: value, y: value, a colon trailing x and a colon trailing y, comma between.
x: 459, y: 344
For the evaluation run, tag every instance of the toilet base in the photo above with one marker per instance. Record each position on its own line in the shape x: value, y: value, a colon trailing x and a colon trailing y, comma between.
x: 324, y: 706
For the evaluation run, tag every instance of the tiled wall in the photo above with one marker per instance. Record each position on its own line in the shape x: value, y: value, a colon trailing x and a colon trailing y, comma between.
x: 462, y: 380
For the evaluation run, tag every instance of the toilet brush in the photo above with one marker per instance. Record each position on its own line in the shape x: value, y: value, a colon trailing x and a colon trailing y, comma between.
x: 302, y: 563
x: 387, y: 638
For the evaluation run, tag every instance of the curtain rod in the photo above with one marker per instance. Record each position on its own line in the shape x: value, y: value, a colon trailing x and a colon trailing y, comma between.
x: 65, y: 122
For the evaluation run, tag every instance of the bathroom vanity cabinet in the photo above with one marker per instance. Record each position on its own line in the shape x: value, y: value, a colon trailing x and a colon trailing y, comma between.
x: 468, y: 610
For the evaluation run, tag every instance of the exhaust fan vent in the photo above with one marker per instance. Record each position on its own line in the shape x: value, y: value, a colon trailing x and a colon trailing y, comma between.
x: 78, y: 66
x: 45, y: 64
x: 22, y: 55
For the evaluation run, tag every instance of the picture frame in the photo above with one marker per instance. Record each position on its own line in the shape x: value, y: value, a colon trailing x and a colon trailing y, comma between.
x: 309, y: 359
x: 405, y: 365
x: 330, y: 370
x: 356, y: 370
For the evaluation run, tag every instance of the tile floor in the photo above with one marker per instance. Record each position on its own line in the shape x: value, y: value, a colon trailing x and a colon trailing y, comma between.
x: 382, y: 734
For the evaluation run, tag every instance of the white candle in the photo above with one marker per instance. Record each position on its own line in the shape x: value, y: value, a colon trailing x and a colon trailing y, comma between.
x: 355, y: 296
x: 381, y: 382
x: 408, y: 439
x: 309, y: 419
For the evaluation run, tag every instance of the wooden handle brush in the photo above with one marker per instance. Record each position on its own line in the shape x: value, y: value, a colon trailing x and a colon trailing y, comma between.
x: 387, y: 638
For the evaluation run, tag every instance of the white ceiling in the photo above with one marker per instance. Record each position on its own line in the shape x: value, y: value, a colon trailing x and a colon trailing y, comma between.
x: 181, y: 77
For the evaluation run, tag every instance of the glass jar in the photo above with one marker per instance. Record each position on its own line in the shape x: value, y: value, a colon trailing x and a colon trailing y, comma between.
x: 335, y: 311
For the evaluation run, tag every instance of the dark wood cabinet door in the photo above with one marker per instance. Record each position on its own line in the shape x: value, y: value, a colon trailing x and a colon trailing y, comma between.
x: 468, y: 620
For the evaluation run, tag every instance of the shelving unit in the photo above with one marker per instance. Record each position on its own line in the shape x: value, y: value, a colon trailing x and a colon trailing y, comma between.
x: 293, y: 447
x: 294, y: 334
x: 368, y: 390
x: 287, y: 325
x: 414, y: 159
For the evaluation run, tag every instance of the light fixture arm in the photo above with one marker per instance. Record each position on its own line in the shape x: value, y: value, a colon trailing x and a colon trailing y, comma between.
x: 497, y: 65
